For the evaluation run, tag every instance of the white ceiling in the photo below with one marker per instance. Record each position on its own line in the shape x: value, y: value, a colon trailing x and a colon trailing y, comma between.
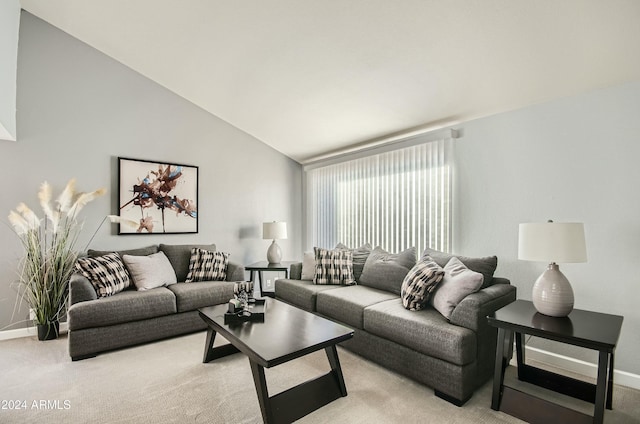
x: 310, y: 77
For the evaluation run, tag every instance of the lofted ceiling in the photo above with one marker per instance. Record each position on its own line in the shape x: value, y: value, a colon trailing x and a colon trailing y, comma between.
x: 311, y: 77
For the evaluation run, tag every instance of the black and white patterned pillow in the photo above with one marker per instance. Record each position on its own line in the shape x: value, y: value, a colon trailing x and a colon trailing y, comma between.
x: 206, y: 265
x: 419, y: 283
x: 106, y: 273
x: 333, y: 267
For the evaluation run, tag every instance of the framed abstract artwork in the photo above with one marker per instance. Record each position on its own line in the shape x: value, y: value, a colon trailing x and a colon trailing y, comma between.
x: 157, y: 197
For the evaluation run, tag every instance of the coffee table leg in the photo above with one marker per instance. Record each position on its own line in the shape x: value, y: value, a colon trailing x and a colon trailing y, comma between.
x: 211, y: 353
x: 208, y: 346
x: 261, y: 388
x: 332, y: 355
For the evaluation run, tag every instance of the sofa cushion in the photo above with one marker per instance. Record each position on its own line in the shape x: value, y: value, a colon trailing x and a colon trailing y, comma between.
x: 425, y: 331
x: 419, y: 283
x: 333, y: 267
x: 142, y: 251
x: 386, y: 271
x: 149, y: 272
x: 206, y: 265
x: 191, y: 296
x: 347, y: 303
x: 360, y: 256
x: 180, y: 254
x: 300, y: 293
x: 458, y: 282
x: 106, y: 273
x: 486, y: 265
x: 127, y: 306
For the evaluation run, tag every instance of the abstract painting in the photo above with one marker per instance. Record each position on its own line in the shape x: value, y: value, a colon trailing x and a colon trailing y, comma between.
x: 157, y: 197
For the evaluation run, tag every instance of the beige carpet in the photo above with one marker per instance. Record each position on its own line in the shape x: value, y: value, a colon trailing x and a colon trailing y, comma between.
x: 166, y: 382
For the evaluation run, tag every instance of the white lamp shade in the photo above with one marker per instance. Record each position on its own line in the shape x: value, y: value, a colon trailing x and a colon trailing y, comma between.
x: 274, y: 230
x: 559, y: 242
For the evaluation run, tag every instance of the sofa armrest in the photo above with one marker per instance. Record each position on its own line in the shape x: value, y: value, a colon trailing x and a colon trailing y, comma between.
x: 235, y: 272
x: 80, y: 289
x: 472, y: 311
x: 295, y: 271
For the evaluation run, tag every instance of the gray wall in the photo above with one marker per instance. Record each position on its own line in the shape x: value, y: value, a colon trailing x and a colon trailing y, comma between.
x: 574, y: 159
x: 9, y: 23
x: 79, y: 110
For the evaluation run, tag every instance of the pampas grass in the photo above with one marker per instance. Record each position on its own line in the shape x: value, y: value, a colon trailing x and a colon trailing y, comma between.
x: 49, y: 243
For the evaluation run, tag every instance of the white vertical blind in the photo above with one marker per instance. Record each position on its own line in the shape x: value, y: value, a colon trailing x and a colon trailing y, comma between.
x: 396, y: 199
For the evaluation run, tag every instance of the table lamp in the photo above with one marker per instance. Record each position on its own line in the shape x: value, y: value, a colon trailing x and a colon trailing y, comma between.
x: 274, y: 230
x: 552, y: 242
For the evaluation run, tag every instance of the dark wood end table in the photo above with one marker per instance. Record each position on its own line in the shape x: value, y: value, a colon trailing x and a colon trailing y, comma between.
x: 262, y: 266
x: 587, y: 329
x: 287, y: 333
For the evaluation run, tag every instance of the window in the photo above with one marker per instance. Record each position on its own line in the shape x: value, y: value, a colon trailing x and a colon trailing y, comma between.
x: 395, y: 199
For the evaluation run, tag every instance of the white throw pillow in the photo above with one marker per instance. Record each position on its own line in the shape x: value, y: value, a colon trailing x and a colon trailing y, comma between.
x: 458, y: 282
x: 151, y: 271
x: 308, y: 266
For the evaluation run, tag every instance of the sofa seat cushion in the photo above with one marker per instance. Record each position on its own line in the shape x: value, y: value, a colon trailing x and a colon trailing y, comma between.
x: 425, y: 331
x: 301, y: 293
x: 126, y: 306
x: 348, y: 303
x: 191, y: 296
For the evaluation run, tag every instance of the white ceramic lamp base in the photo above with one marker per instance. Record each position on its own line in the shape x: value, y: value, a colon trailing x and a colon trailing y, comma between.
x: 274, y: 254
x: 552, y: 293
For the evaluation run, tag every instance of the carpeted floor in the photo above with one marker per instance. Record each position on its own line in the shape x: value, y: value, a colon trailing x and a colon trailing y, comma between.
x: 166, y: 382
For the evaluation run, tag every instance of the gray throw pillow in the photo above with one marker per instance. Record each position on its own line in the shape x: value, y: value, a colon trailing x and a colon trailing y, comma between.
x: 180, y: 256
x: 148, y: 272
x: 333, y: 267
x: 386, y: 271
x: 419, y: 283
x: 486, y: 265
x: 360, y: 256
x: 142, y: 251
x: 458, y: 282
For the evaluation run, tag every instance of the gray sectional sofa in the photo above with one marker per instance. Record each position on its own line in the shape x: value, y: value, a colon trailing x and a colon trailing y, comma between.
x: 132, y: 317
x: 453, y: 356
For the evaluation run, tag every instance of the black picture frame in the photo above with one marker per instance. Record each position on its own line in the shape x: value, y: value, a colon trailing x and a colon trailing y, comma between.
x: 157, y: 197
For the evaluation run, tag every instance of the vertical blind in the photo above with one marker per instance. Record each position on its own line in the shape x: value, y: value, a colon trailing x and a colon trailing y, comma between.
x: 395, y: 200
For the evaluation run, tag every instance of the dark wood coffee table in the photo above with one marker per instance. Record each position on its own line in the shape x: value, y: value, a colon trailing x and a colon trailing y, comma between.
x: 287, y: 333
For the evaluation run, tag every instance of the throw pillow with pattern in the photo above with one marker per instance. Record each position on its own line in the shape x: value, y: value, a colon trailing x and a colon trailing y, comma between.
x: 360, y: 256
x: 419, y: 283
x: 333, y: 267
x: 106, y: 273
x: 206, y: 265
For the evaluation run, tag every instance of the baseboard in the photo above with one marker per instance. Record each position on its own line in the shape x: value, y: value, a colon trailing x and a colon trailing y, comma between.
x: 577, y: 366
x: 27, y: 332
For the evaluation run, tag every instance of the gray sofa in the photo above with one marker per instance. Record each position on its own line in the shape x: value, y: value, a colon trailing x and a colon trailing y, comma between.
x: 132, y: 317
x: 454, y: 356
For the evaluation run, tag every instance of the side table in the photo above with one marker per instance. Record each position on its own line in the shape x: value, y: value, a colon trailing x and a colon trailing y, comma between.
x: 262, y: 266
x: 587, y: 329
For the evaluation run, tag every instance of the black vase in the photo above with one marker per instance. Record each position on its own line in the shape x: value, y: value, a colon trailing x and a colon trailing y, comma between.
x: 48, y: 331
